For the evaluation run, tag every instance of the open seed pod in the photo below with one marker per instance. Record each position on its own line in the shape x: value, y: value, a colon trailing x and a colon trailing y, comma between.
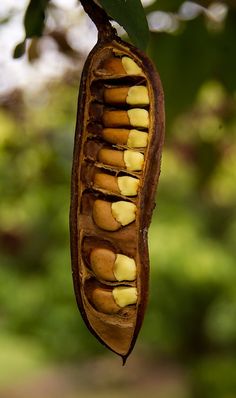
x: 118, y: 140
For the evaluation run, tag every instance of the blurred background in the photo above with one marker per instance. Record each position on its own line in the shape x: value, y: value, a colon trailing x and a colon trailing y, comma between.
x: 187, y: 345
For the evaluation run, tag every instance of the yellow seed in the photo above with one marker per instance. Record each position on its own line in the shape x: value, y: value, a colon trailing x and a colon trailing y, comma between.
x: 137, y: 139
x: 124, y: 268
x: 112, y: 267
x: 123, y: 212
x: 116, y: 136
x: 128, y: 186
x: 102, y: 262
x: 133, y: 160
x: 104, y: 301
x: 131, y: 67
x: 106, y: 181
x: 116, y: 96
x: 124, y: 296
x: 117, y: 118
x: 103, y: 216
x: 138, y: 117
x: 111, y: 157
x: 113, y: 66
x: 137, y: 95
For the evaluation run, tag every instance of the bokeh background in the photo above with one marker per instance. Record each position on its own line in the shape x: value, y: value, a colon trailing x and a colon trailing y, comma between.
x: 187, y: 345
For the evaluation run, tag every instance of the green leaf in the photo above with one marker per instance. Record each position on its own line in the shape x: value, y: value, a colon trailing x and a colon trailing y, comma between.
x: 35, y: 17
x: 34, y: 23
x: 129, y: 14
x: 19, y: 50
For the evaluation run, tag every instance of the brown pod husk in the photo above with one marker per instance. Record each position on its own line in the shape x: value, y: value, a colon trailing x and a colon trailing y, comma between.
x: 117, y: 331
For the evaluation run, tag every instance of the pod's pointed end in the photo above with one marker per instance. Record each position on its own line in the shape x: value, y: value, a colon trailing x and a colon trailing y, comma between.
x: 124, y: 359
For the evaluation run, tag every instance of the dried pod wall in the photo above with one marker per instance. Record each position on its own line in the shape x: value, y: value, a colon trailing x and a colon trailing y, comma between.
x: 116, y: 165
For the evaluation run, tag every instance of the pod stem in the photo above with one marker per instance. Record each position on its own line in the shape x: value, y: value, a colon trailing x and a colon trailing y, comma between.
x: 100, y: 18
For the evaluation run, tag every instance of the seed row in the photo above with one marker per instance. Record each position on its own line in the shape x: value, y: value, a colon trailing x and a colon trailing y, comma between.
x: 124, y: 136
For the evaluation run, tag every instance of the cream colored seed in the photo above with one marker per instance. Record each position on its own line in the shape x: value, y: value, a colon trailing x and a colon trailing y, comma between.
x: 106, y: 181
x: 137, y: 139
x: 111, y: 301
x: 137, y: 95
x: 104, y: 301
x: 102, y: 262
x: 114, y: 66
x: 133, y: 160
x: 116, y: 136
x: 124, y: 268
x: 103, y: 216
x: 111, y: 156
x: 117, y: 118
x: 132, y: 138
x: 138, y: 117
x: 128, y: 186
x: 124, y: 296
x: 131, y: 67
x: 116, y: 95
x: 110, y: 266
x: 123, y: 212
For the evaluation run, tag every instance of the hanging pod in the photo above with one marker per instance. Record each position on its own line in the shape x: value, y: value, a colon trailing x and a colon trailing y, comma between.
x: 116, y: 165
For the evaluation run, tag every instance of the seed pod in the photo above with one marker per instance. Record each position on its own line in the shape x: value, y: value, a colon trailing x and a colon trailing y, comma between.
x: 114, y: 177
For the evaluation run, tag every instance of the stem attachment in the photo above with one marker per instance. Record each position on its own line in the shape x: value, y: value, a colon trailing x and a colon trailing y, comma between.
x: 100, y: 18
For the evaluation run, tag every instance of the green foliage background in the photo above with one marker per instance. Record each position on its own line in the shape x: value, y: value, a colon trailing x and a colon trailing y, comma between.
x: 191, y: 313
